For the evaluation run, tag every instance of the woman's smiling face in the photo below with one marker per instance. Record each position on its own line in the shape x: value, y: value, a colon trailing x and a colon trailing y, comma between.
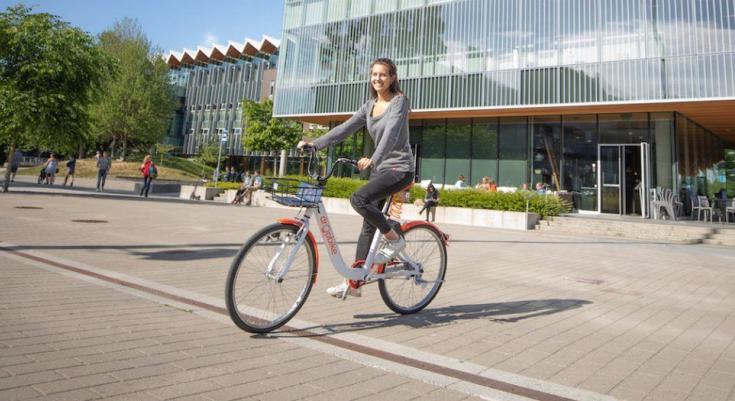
x: 380, y: 78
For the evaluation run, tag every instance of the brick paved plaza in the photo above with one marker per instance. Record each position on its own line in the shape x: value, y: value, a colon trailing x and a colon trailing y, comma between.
x: 90, y: 311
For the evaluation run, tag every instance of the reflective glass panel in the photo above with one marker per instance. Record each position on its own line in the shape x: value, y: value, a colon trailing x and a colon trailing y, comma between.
x: 513, y: 151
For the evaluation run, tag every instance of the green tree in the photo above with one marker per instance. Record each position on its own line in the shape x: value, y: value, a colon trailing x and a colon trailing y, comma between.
x: 162, y: 149
x: 263, y: 132
x: 208, y: 154
x: 138, y: 103
x: 49, y: 73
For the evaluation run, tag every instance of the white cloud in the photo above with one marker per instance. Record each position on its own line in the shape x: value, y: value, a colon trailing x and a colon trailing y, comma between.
x: 209, y: 39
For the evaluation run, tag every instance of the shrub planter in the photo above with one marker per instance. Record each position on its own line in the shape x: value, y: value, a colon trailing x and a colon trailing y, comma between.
x: 451, y: 215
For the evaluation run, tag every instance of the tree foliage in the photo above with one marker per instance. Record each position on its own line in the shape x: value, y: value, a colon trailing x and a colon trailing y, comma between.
x: 49, y: 74
x: 138, y: 103
x: 263, y: 132
x: 209, y: 153
x: 162, y: 149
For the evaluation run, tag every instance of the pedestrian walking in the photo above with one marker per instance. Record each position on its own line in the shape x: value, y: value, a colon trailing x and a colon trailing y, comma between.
x: 71, y: 166
x: 50, y: 168
x: 104, y: 164
x: 150, y: 172
x: 15, y: 164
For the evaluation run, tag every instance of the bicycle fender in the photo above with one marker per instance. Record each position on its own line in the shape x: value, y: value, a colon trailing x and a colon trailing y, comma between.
x: 310, y: 237
x: 444, y: 236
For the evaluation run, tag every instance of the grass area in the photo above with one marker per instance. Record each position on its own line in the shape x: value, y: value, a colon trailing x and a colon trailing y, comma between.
x: 173, y: 168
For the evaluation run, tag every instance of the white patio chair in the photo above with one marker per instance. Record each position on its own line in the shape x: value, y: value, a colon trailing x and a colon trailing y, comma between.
x: 728, y: 210
x: 653, y: 199
x: 703, y: 208
x: 664, y: 199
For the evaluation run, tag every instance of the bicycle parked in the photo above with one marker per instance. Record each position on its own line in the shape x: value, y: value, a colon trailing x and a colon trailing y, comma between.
x: 273, y: 273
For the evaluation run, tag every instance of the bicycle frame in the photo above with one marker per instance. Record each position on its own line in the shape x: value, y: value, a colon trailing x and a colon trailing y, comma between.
x: 363, y: 273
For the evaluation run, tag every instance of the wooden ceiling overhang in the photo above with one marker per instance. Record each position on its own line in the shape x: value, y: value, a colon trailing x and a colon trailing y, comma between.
x: 717, y: 116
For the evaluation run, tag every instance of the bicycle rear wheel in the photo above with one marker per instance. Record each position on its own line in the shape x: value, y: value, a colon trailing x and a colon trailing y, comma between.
x: 257, y: 301
x: 406, y: 295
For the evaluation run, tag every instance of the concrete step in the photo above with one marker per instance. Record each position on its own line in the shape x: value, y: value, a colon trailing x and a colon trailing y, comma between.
x: 725, y: 232
x: 720, y: 241
x: 721, y: 236
x: 677, y: 233
x: 221, y: 198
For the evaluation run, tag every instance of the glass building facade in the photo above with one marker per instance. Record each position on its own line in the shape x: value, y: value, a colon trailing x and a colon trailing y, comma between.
x: 211, y: 85
x: 484, y: 76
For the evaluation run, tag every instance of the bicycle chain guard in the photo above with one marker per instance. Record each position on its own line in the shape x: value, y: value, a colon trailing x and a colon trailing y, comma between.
x: 358, y: 265
x: 357, y: 283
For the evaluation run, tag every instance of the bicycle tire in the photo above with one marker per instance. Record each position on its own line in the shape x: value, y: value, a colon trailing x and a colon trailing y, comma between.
x: 252, y: 297
x: 424, y: 245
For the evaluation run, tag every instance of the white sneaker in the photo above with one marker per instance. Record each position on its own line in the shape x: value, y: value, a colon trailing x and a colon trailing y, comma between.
x: 343, y: 290
x: 390, y: 250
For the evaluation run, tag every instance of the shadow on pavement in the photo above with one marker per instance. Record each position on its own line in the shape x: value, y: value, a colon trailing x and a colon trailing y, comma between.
x: 183, y: 247
x: 501, y: 312
x: 187, y: 254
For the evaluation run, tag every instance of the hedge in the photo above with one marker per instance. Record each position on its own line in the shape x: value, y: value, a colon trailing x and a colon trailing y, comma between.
x: 465, y: 198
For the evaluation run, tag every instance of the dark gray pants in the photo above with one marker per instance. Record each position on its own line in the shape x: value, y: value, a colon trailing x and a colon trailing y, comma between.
x: 369, y: 200
x: 147, y: 180
x: 101, y: 177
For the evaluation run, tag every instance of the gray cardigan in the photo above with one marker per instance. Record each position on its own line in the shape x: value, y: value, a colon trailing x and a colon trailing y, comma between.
x: 388, y: 130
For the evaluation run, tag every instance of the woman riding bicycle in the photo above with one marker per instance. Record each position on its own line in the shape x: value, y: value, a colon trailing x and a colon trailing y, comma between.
x: 385, y: 115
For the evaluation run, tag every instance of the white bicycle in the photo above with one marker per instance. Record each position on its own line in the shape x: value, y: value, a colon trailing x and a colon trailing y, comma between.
x: 273, y: 273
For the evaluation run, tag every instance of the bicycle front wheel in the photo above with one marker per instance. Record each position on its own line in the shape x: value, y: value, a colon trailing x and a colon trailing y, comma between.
x: 258, y: 301
x: 425, y: 247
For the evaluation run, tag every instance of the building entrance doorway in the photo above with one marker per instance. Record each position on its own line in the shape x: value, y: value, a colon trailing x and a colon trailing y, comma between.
x: 623, y: 181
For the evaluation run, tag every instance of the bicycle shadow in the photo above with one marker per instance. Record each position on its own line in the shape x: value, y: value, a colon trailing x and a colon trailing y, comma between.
x: 501, y: 312
x: 182, y: 255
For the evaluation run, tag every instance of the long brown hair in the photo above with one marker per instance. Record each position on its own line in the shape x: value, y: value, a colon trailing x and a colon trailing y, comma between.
x: 395, y: 87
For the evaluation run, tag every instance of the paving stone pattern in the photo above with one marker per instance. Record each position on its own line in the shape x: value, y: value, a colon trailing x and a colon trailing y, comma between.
x: 633, y: 319
x: 63, y: 338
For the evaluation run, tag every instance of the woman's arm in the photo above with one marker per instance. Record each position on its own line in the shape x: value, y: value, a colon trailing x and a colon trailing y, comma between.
x: 342, y: 131
x: 397, y: 117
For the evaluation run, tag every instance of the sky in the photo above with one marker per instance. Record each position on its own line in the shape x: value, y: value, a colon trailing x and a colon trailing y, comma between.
x: 172, y: 24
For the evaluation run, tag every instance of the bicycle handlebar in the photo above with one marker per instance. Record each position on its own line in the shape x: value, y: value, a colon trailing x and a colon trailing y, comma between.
x: 313, y: 156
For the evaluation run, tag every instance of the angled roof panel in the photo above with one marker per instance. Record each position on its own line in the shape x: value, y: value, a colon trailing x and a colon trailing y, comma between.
x: 251, y: 47
x: 202, y: 54
x: 188, y: 56
x: 173, y: 60
x: 272, y: 40
x: 266, y: 46
x: 218, y: 52
x: 234, y: 49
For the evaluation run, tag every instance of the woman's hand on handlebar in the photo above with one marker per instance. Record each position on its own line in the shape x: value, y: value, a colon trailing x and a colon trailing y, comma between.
x: 364, y: 163
x: 305, y: 146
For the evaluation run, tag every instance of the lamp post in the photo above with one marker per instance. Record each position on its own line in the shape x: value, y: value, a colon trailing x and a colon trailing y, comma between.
x: 222, y: 140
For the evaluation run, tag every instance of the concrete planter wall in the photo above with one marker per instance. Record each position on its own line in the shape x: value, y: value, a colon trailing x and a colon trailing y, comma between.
x: 230, y: 195
x: 452, y: 215
x: 159, y: 187
x: 203, y: 193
